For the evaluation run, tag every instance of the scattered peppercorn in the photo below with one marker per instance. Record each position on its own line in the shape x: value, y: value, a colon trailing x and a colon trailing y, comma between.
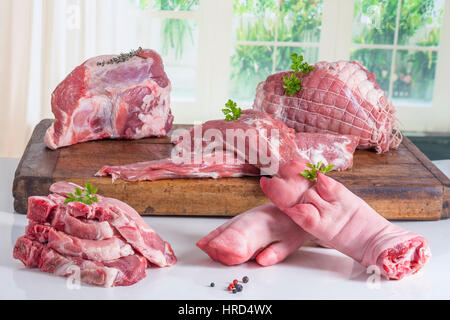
x: 239, y: 287
x: 234, y: 291
x: 245, y: 279
x: 212, y: 284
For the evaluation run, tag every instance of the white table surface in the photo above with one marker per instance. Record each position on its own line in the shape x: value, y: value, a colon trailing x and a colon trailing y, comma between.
x: 310, y: 273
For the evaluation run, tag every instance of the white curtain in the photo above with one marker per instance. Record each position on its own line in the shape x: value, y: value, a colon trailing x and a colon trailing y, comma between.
x: 15, y: 44
x: 41, y: 41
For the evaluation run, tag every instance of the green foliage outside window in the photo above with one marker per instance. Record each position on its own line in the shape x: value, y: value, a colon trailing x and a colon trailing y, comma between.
x: 176, y: 33
x: 298, y: 21
x: 420, y: 22
x: 175, y: 5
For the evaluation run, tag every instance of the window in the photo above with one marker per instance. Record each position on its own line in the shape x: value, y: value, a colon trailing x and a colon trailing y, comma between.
x: 214, y: 50
x: 265, y: 33
x: 399, y: 40
x: 171, y: 27
x: 219, y: 49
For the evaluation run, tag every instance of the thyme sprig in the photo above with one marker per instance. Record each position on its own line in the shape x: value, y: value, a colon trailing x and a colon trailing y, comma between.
x: 86, y: 196
x: 292, y: 83
x: 311, y: 175
x: 231, y: 111
x: 120, y: 58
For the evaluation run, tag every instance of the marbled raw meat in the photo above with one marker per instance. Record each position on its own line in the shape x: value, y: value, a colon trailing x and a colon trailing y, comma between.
x: 120, y: 272
x: 127, y: 222
x: 106, y: 242
x: 51, y: 210
x: 328, y: 148
x: 126, y: 100
x: 336, y: 97
x: 67, y: 245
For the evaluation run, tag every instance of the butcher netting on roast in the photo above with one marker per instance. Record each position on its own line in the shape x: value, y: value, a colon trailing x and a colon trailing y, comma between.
x: 341, y: 97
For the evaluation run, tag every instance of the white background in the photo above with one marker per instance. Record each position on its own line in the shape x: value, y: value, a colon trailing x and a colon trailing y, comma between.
x: 310, y: 273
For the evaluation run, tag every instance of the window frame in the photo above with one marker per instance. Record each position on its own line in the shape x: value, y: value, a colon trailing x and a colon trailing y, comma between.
x: 429, y: 117
x: 213, y: 78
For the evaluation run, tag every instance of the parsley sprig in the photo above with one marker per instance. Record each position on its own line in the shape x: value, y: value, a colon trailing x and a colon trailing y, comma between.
x: 85, y: 196
x: 311, y: 175
x: 292, y: 83
x: 231, y: 111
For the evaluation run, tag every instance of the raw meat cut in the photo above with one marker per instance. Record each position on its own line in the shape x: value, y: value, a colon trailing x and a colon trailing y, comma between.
x: 125, y: 100
x: 336, y: 97
x: 328, y: 148
x: 128, y: 223
x: 170, y: 169
x: 255, y: 138
x: 28, y: 251
x: 105, y: 243
x: 45, y: 210
x: 333, y: 214
x: 121, y: 272
x: 263, y: 233
x: 96, y: 250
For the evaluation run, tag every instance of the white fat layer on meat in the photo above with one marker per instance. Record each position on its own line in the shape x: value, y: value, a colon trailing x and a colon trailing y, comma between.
x: 96, y: 73
x: 111, y: 273
x: 42, y: 198
x: 88, y: 105
x: 126, y: 250
x: 100, y: 87
x: 69, y: 268
x: 316, y: 154
x: 356, y: 78
x: 273, y: 141
x: 154, y: 120
x: 64, y: 269
x: 114, y: 250
x: 122, y: 220
x: 104, y: 230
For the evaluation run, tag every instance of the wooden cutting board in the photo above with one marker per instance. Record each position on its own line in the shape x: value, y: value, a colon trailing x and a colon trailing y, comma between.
x: 400, y: 184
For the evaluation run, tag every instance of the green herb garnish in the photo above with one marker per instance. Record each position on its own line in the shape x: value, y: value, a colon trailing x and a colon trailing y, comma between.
x: 292, y: 83
x: 311, y: 175
x: 85, y: 196
x: 120, y: 58
x: 231, y: 111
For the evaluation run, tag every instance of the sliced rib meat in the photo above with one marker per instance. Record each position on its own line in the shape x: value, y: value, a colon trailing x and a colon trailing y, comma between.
x: 53, y: 211
x: 127, y: 222
x: 96, y: 250
x: 121, y: 272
